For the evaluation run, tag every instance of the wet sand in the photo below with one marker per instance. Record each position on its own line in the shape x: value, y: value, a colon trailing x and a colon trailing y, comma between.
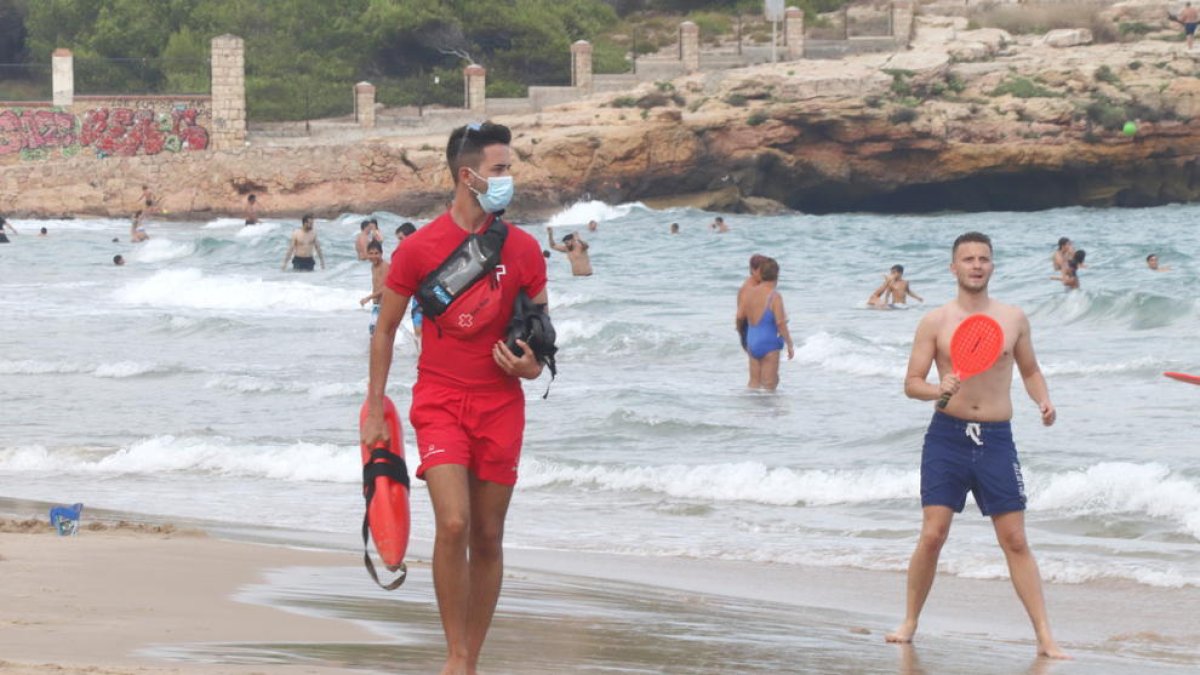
x: 155, y: 599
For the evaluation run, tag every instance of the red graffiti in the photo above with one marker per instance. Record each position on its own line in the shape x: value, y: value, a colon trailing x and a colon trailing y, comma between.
x: 192, y: 135
x: 35, y: 129
x: 110, y: 131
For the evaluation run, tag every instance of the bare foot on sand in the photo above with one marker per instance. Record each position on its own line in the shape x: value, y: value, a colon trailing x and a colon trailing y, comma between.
x: 1050, y: 650
x: 902, y: 634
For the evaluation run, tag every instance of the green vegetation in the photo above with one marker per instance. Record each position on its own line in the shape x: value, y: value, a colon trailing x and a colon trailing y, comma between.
x: 1023, y: 87
x: 1105, y: 74
x: 1135, y: 28
x: 902, y: 116
x: 303, y: 56
x: 1113, y: 115
x: 756, y: 118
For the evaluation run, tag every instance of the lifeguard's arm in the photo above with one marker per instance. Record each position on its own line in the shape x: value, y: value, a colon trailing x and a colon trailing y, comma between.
x: 1031, y: 372
x: 317, y: 245
x: 921, y: 360
x: 391, y: 312
x: 288, y: 256
x: 525, y: 366
x: 781, y: 325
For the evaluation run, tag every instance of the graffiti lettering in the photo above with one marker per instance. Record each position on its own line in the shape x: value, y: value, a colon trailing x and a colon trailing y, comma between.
x: 123, y: 132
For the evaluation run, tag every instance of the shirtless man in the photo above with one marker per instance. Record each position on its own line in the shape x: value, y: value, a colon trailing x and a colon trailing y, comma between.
x: 969, y: 446
x: 718, y: 225
x: 364, y: 236
x: 379, y: 272
x: 577, y: 252
x: 1063, y: 253
x: 147, y: 201
x: 252, y: 210
x: 1189, y: 17
x: 301, y: 246
x: 899, y: 288
x: 879, y: 299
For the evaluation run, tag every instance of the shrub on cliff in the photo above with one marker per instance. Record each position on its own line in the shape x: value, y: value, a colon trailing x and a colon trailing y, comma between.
x: 1023, y: 87
x: 903, y: 115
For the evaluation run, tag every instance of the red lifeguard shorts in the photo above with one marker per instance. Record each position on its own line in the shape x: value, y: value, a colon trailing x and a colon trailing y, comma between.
x: 479, y: 429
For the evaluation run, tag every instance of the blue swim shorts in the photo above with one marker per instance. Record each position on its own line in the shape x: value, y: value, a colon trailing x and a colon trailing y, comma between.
x: 976, y: 457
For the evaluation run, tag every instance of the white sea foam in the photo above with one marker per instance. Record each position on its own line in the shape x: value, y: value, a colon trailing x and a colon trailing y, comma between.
x: 159, y: 250
x: 119, y: 369
x: 80, y: 225
x: 32, y: 367
x: 122, y: 369
x: 580, y: 213
x: 298, y: 462
x: 841, y: 355
x: 733, y: 482
x: 1122, y: 487
x: 256, y: 231
x: 224, y: 223
x: 191, y: 288
x: 247, y: 384
x: 1146, y: 363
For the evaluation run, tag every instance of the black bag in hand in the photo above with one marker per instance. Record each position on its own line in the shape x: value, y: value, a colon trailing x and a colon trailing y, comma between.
x: 531, y: 324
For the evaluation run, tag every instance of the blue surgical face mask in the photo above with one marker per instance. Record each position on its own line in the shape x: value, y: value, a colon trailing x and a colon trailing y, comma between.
x: 499, y: 193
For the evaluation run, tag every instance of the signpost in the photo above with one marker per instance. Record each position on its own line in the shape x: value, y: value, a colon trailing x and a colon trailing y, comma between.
x: 773, y: 12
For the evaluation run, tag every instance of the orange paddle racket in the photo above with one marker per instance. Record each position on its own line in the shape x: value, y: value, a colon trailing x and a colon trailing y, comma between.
x: 1184, y: 377
x: 975, y: 346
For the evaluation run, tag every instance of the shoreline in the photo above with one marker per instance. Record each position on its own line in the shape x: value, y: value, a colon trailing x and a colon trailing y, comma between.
x: 227, y: 600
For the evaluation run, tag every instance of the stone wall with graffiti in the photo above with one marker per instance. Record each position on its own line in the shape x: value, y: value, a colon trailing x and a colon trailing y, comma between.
x: 105, y: 127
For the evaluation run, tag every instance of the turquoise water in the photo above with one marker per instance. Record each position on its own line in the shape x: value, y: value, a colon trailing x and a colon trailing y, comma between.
x: 201, y: 381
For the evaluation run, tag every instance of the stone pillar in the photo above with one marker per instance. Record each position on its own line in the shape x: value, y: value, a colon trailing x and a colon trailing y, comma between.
x: 581, y: 65
x: 62, y: 75
x: 475, y: 86
x: 689, y: 46
x: 902, y: 22
x: 228, y: 92
x: 364, y: 104
x: 793, y: 32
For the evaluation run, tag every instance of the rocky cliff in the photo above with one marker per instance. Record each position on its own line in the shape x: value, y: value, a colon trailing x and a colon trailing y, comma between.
x: 966, y: 120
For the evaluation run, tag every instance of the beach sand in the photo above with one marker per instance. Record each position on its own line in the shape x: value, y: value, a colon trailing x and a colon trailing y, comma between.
x: 138, y: 598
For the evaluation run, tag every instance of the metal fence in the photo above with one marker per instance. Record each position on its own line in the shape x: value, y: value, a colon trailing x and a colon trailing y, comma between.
x: 25, y: 82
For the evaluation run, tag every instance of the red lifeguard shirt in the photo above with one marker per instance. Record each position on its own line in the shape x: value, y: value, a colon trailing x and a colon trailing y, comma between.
x: 460, y: 353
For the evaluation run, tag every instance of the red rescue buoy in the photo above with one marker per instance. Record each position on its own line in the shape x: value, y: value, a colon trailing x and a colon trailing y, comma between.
x: 385, y: 488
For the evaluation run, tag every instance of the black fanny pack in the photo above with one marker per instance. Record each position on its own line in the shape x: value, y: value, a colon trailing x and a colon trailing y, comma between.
x: 530, y: 323
x: 474, y: 259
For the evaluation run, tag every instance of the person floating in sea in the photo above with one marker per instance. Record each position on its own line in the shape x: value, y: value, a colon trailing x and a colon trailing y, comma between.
x: 969, y: 446
x: 379, y: 272
x: 753, y: 279
x: 674, y: 228
x: 718, y: 225
x: 468, y: 408
x: 137, y: 233
x: 301, y: 246
x: 1070, y: 271
x: 119, y: 260
x: 251, y: 210
x: 5, y: 228
x: 766, y: 327
x: 577, y: 252
x: 1152, y: 263
x: 593, y: 226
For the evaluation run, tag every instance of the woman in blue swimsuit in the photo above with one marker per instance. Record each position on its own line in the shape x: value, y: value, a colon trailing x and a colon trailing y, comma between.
x: 767, y: 331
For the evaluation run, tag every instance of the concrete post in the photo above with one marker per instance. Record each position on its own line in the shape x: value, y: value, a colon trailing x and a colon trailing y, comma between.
x: 793, y: 32
x: 689, y: 46
x: 62, y: 75
x: 475, y: 85
x: 364, y: 104
x: 581, y: 65
x: 902, y: 22
x: 228, y: 92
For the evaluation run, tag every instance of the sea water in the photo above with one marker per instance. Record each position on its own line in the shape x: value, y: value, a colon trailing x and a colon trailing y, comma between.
x: 201, y: 381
